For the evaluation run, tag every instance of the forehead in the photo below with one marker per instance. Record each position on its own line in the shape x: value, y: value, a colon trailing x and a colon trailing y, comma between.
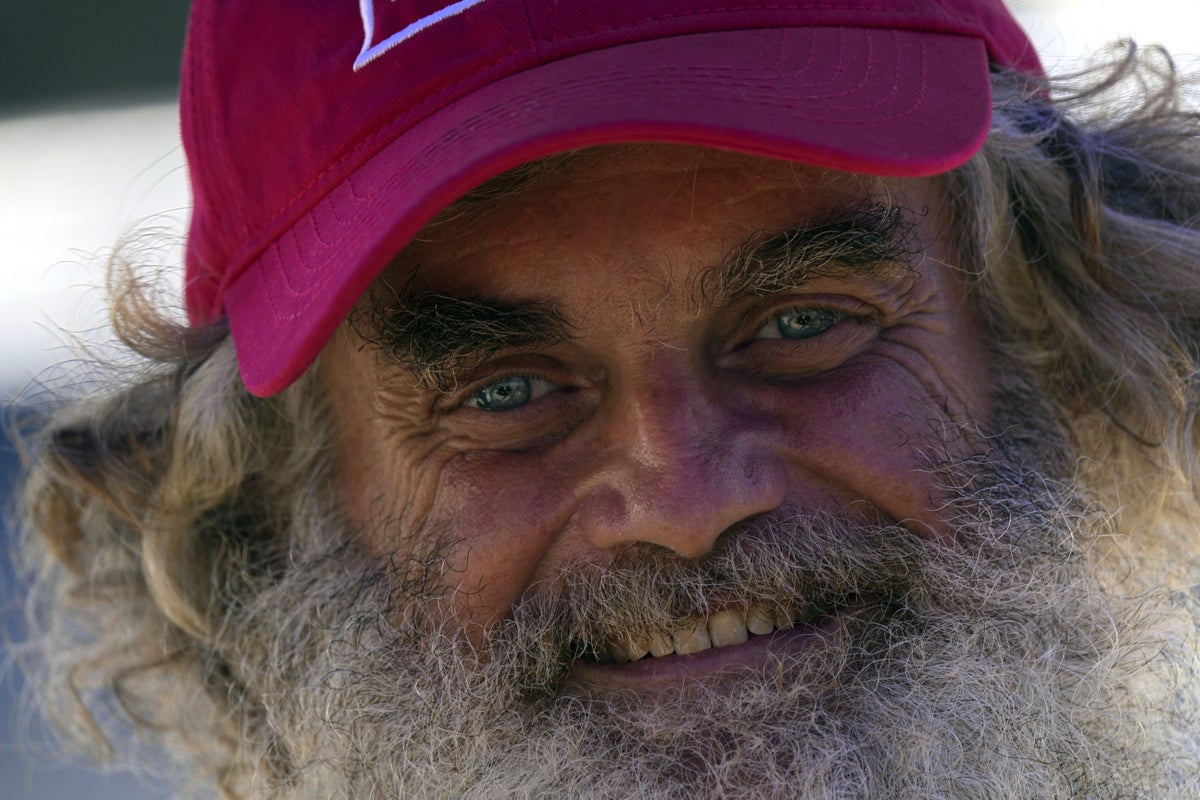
x: 597, y: 165
x: 630, y: 227
x: 653, y: 203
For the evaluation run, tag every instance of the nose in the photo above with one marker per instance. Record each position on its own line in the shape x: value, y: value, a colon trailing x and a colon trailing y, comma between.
x: 679, y: 467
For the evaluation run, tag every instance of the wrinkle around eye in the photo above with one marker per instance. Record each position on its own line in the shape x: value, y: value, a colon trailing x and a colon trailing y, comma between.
x: 778, y: 357
x: 554, y: 407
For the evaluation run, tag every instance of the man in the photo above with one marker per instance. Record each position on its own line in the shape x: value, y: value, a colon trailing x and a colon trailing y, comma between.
x: 628, y: 399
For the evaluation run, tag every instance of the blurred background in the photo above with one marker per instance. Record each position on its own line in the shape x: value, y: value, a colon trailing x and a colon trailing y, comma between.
x: 89, y: 151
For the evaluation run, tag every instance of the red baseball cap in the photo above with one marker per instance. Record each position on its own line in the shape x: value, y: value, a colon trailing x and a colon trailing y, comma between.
x: 321, y: 137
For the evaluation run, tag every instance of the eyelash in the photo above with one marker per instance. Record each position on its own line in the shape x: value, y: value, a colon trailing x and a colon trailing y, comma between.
x: 766, y: 313
x: 828, y: 317
x: 852, y: 324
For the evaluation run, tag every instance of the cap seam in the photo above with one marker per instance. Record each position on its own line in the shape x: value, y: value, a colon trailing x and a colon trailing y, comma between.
x: 537, y: 51
x: 888, y: 14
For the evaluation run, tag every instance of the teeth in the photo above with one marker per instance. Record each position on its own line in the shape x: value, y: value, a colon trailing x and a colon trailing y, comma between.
x: 759, y: 621
x: 727, y: 627
x: 661, y: 646
x: 785, y: 617
x: 638, y: 649
x: 693, y: 640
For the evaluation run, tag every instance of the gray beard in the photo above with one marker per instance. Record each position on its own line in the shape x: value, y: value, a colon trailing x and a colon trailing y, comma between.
x: 998, y: 667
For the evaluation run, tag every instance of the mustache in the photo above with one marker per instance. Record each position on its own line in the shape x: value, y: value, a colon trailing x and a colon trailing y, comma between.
x: 789, y: 561
x: 806, y: 563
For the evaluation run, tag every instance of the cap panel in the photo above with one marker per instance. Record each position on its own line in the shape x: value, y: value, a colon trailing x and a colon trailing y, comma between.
x: 287, y: 116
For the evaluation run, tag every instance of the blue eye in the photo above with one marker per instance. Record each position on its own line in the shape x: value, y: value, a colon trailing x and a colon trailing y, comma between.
x: 508, y: 393
x: 799, y: 323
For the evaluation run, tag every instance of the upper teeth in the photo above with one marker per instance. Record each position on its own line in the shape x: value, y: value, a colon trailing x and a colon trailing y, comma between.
x: 728, y: 627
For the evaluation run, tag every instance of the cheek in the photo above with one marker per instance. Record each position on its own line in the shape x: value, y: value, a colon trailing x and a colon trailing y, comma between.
x: 863, y: 431
x: 502, y: 516
x: 389, y: 477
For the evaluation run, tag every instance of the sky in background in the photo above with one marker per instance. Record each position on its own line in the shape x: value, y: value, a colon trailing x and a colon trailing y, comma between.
x: 72, y: 182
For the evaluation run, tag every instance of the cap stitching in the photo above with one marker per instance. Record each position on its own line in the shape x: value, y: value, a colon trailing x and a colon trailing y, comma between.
x: 530, y: 27
x: 886, y: 13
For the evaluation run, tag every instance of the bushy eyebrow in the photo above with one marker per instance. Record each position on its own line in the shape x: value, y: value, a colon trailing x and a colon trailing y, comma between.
x: 864, y: 242
x: 439, y: 337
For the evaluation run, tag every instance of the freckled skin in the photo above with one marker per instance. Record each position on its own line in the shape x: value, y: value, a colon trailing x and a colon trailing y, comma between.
x: 666, y: 424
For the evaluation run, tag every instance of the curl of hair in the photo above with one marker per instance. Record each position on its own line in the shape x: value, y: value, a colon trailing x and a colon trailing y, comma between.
x: 1080, y: 220
x: 154, y: 510
x: 151, y: 512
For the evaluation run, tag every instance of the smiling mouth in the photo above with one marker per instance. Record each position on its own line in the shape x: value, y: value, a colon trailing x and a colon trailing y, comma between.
x: 727, y: 628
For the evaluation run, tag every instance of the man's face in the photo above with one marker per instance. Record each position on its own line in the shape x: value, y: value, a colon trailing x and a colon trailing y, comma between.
x: 699, y: 465
x: 717, y: 338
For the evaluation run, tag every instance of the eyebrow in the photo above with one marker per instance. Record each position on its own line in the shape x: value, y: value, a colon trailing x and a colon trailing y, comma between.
x: 866, y: 241
x: 439, y: 337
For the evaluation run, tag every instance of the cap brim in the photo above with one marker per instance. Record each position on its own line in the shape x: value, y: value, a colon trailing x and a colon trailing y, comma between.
x: 885, y: 102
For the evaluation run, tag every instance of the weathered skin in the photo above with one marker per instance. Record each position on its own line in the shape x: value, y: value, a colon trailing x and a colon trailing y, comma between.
x: 662, y: 420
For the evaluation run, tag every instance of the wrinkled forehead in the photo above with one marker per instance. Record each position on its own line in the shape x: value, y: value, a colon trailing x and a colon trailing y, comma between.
x: 673, y: 199
x: 596, y: 164
x: 659, y: 179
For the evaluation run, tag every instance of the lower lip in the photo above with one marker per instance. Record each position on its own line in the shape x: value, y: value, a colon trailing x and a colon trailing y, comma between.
x: 651, y: 673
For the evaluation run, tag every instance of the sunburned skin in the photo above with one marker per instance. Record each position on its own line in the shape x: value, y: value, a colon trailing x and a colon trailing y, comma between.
x: 670, y: 403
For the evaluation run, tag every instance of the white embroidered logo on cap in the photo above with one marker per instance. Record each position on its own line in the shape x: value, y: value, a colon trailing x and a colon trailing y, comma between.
x: 372, y: 49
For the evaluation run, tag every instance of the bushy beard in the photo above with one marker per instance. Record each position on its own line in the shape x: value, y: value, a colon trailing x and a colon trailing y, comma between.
x: 995, y: 667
